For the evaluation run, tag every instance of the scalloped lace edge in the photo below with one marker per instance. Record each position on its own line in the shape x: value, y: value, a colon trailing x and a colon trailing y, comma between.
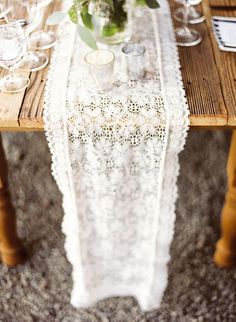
x: 55, y: 95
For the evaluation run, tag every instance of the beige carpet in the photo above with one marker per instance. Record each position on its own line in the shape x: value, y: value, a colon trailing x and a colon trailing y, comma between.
x: 40, y: 290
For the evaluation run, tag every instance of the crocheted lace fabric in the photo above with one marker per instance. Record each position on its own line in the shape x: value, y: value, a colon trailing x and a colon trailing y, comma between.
x: 115, y: 159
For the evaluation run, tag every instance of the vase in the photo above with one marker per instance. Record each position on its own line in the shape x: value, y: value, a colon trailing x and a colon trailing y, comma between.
x: 110, y: 21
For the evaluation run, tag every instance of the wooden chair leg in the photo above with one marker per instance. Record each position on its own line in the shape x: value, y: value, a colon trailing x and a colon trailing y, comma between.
x: 225, y: 254
x: 11, y: 250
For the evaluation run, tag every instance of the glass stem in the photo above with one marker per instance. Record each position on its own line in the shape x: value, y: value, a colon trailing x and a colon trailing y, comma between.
x: 28, y: 43
x: 12, y: 71
x: 186, y: 15
x: 29, y: 9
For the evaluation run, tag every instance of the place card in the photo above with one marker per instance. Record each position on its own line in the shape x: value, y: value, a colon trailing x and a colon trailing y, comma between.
x: 224, y: 29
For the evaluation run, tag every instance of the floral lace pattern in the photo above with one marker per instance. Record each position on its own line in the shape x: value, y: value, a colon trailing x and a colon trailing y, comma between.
x: 115, y: 159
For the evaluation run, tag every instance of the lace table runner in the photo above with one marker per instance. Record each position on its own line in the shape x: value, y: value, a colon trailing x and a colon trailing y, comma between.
x: 115, y: 159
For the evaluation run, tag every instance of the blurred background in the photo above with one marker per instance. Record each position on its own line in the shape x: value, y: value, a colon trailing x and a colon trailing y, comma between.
x: 40, y: 289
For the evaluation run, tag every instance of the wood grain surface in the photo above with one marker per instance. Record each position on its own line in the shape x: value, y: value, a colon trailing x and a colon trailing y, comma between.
x: 226, y: 65
x: 202, y: 81
x: 223, y: 3
x: 209, y: 77
x: 24, y: 110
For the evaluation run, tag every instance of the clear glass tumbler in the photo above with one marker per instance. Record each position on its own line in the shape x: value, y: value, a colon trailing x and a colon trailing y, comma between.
x: 101, y: 68
x: 134, y: 60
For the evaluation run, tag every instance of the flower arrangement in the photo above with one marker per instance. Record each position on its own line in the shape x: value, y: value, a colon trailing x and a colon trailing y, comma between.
x: 100, y: 20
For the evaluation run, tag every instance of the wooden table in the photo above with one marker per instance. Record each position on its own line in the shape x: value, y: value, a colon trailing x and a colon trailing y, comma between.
x: 209, y: 77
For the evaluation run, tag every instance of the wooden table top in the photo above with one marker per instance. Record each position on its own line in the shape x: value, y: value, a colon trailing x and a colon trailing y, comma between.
x: 209, y: 79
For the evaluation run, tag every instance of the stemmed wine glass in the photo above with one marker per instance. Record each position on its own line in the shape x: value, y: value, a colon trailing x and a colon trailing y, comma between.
x: 40, y: 39
x: 186, y: 36
x: 29, y: 17
x: 13, y: 46
x: 2, y: 11
x: 194, y: 16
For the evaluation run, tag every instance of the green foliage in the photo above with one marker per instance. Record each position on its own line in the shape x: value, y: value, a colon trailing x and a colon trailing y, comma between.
x: 153, y: 4
x: 86, y: 18
x: 114, y: 10
x: 110, y: 3
x: 86, y: 35
x: 55, y: 18
x: 118, y: 17
x: 110, y: 30
x: 141, y: 3
x: 73, y: 14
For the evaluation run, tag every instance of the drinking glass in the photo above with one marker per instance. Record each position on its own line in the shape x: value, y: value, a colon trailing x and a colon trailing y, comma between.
x: 186, y: 36
x: 194, y: 16
x: 3, y: 10
x: 29, y: 17
x: 101, y: 68
x: 13, y: 46
x: 134, y: 60
x: 192, y: 2
x: 40, y: 39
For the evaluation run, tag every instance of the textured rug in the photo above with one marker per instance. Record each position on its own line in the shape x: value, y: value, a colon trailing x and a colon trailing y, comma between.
x: 40, y: 289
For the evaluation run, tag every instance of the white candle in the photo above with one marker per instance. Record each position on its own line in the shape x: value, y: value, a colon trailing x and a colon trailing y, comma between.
x: 101, y: 67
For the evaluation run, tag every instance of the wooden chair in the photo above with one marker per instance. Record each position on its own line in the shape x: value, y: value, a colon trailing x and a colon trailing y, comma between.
x: 210, y: 82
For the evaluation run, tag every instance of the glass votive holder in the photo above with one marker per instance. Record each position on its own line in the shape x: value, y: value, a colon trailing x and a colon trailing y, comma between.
x: 134, y: 60
x: 100, y: 64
